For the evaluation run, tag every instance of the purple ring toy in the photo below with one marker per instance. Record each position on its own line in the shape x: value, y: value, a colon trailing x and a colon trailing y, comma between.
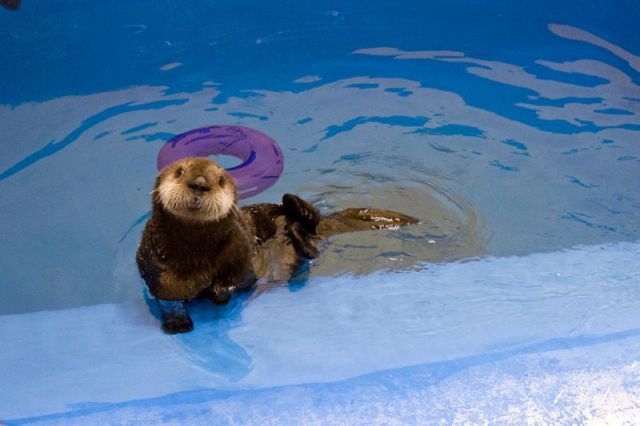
x: 262, y: 160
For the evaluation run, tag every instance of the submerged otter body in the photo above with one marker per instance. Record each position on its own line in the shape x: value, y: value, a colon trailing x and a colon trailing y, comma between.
x: 198, y: 243
x: 288, y: 234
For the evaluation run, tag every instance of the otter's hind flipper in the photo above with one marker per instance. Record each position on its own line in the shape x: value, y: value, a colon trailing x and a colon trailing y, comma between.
x: 305, y: 244
x: 298, y: 210
x: 362, y: 219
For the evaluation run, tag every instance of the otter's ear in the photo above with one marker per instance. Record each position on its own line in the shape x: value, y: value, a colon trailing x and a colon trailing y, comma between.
x: 156, y: 185
x: 230, y: 181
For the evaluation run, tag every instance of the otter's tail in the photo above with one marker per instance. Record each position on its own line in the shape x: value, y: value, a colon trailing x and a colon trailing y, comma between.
x: 362, y: 219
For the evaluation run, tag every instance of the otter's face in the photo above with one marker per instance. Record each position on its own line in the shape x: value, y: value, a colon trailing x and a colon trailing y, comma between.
x: 195, y: 189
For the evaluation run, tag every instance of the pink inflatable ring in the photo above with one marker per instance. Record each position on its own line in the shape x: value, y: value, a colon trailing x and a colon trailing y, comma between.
x: 262, y: 160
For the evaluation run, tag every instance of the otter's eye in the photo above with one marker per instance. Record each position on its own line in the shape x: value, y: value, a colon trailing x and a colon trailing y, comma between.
x: 179, y: 172
x: 221, y: 181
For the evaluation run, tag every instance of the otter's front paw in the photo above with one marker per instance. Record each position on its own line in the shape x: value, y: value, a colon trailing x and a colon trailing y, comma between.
x: 175, y: 318
x: 177, y: 324
x: 221, y: 295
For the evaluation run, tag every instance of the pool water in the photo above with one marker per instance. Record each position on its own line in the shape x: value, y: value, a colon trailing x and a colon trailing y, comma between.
x: 511, y: 129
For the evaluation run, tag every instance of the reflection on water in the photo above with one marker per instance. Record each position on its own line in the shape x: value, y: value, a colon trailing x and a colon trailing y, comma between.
x: 482, y: 180
x: 449, y: 230
x: 612, y: 101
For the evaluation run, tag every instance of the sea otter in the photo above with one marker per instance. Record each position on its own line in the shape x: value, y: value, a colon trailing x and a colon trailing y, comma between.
x: 199, y: 243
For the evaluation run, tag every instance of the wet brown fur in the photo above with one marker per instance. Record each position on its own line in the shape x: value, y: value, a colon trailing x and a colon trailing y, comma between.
x: 184, y: 254
x: 288, y: 233
x: 181, y: 258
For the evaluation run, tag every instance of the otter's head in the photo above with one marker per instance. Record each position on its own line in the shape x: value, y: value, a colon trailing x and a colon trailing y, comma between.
x: 195, y: 189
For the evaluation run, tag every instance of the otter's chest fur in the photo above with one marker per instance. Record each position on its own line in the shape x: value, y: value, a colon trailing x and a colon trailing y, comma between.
x: 180, y: 260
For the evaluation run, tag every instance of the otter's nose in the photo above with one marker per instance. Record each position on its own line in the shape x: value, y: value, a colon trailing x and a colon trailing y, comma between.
x: 199, y: 184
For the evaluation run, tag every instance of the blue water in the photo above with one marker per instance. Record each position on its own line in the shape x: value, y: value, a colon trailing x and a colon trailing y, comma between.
x: 511, y: 129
